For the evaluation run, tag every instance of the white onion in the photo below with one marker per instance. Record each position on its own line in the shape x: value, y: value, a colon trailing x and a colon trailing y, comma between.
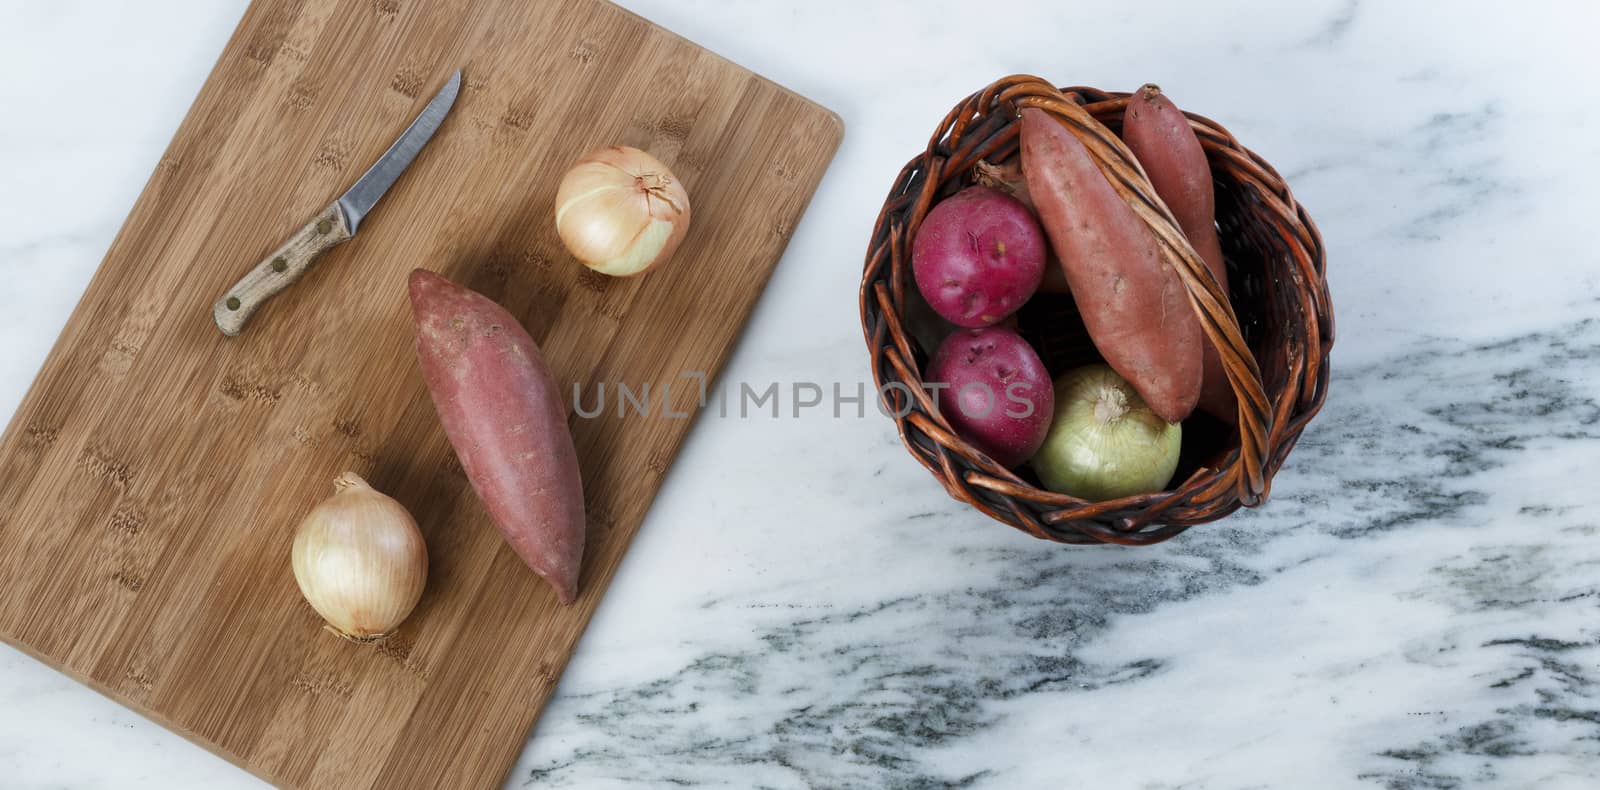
x: 621, y: 212
x: 360, y: 560
x: 1104, y: 442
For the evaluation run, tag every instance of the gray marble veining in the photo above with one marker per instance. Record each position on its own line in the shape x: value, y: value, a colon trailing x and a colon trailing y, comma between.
x: 1401, y: 584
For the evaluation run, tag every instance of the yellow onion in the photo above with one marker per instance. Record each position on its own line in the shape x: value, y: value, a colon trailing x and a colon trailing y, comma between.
x: 360, y: 560
x: 1104, y: 441
x: 620, y: 211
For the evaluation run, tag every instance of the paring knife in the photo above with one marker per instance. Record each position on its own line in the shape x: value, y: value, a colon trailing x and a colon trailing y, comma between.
x: 336, y: 224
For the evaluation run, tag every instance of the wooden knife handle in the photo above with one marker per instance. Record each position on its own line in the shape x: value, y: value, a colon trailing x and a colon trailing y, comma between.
x: 280, y: 269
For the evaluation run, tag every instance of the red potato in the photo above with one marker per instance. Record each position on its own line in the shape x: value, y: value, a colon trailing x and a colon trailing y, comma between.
x: 978, y: 256
x: 1160, y: 136
x: 996, y: 394
x: 1133, y: 304
x: 1007, y: 177
x: 505, y: 417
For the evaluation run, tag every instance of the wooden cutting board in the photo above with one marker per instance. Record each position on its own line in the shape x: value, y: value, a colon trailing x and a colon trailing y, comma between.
x: 151, y: 480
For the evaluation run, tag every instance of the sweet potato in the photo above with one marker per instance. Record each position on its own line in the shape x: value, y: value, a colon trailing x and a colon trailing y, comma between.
x: 1160, y: 136
x: 1133, y: 304
x: 504, y: 415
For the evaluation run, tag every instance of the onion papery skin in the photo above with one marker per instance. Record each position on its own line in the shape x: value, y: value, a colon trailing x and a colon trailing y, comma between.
x: 621, y: 212
x: 1104, y: 441
x: 360, y: 560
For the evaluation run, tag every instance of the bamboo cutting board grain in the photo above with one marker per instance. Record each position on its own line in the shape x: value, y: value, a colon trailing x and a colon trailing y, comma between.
x: 151, y: 480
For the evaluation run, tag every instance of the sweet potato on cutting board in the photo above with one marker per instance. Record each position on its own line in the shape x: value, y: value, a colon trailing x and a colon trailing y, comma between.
x: 504, y: 415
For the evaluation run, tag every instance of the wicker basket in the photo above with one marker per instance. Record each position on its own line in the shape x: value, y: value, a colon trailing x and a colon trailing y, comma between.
x: 1273, y: 331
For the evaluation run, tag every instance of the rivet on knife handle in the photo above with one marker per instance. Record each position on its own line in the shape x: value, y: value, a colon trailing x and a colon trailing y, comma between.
x: 280, y: 269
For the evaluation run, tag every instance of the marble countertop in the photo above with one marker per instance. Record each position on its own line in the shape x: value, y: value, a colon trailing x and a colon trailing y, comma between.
x: 1417, y: 607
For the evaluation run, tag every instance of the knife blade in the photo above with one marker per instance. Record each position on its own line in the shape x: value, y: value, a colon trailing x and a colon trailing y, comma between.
x: 335, y: 224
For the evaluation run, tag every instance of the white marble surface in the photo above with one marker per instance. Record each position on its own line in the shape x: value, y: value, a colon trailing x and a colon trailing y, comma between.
x: 1416, y: 608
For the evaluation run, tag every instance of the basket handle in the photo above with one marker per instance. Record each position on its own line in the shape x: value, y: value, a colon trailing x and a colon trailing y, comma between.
x: 1210, y: 304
